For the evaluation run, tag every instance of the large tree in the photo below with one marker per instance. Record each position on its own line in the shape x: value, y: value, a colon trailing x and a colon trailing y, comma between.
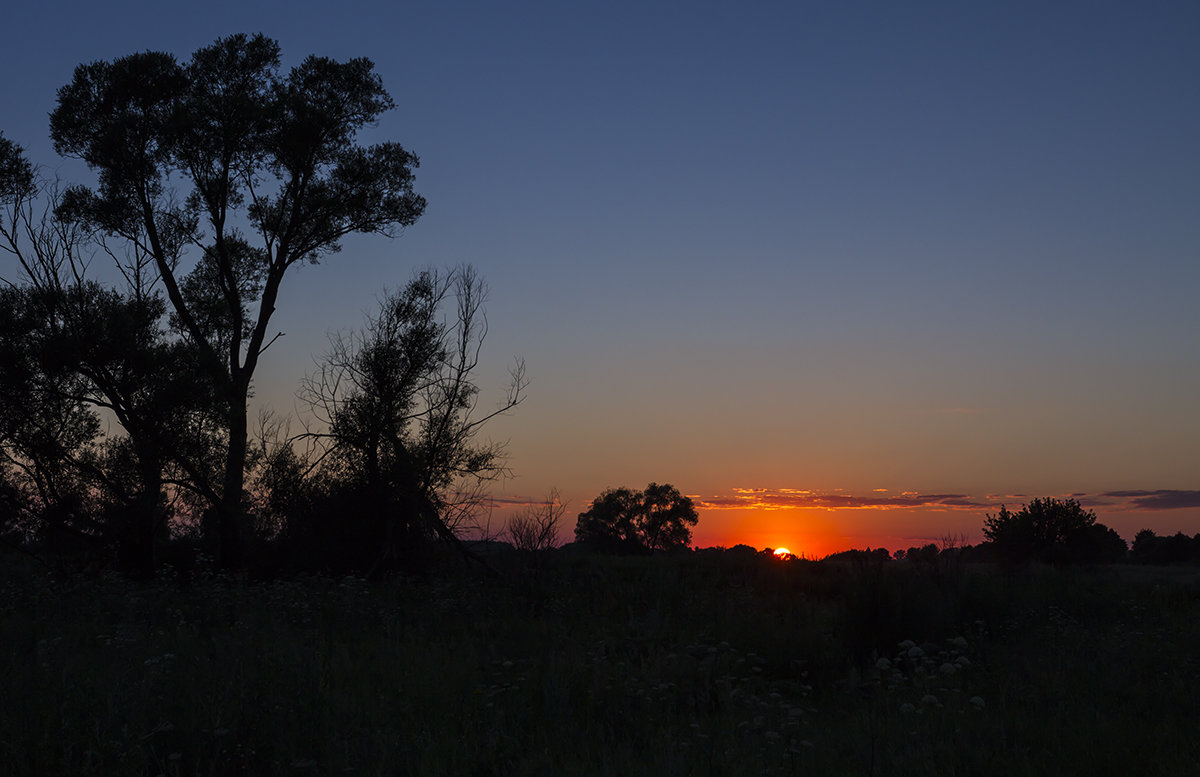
x: 222, y: 174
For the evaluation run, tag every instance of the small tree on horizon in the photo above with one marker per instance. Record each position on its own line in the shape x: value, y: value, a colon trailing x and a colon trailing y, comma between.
x: 659, y: 518
x: 535, y: 528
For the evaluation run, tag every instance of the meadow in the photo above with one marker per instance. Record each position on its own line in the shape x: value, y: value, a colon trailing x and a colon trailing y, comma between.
x: 703, y: 663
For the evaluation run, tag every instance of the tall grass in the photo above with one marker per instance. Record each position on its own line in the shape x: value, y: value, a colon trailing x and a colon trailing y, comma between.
x: 697, y: 665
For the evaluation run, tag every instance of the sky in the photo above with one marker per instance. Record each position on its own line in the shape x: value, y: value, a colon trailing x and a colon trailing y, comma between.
x: 848, y: 274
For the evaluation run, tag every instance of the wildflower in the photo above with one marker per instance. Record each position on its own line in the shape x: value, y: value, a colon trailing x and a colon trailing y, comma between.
x: 963, y: 662
x: 883, y: 665
x: 915, y: 652
x: 907, y: 645
x: 929, y: 698
x: 907, y: 708
x: 977, y: 702
x: 947, y: 668
x: 959, y: 642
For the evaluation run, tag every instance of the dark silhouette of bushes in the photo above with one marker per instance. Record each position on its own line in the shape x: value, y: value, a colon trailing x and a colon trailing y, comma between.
x: 1053, y: 531
x: 1149, y: 548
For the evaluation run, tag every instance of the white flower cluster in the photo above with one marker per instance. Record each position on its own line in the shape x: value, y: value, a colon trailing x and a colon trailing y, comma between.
x: 929, y: 676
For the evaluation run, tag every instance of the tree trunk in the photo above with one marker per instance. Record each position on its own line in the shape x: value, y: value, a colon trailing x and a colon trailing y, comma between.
x: 145, y: 532
x: 230, y: 519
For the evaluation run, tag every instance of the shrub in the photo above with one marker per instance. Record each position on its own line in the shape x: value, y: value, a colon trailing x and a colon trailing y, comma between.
x: 1053, y: 530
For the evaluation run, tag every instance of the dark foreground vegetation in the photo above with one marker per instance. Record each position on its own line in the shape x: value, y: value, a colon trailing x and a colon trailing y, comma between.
x: 698, y: 663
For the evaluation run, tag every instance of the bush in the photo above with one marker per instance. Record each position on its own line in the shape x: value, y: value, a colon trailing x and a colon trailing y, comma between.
x: 1052, y: 530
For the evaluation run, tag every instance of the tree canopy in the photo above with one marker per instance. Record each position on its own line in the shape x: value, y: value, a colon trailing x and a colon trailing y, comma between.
x: 659, y: 518
x: 1052, y: 530
x: 398, y: 399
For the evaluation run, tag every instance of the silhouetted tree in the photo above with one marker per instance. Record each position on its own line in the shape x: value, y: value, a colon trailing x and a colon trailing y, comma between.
x: 1150, y: 548
x: 926, y: 555
x: 280, y: 487
x: 1052, y: 530
x: 666, y: 518
x: 16, y: 173
x: 46, y: 430
x: 535, y: 529
x: 107, y: 348
x: 399, y: 400
x: 1145, y: 546
x: 610, y: 522
x: 1095, y: 544
x: 273, y: 178
x: 620, y: 519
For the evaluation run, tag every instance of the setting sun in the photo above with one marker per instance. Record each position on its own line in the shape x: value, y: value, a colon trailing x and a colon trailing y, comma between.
x: 781, y: 552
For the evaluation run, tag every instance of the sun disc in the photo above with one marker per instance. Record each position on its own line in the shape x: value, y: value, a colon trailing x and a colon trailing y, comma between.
x: 781, y: 552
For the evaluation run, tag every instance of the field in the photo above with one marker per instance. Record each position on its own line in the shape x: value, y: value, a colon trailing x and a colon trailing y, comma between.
x: 700, y: 664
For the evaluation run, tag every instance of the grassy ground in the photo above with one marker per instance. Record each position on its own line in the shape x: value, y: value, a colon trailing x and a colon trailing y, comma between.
x: 696, y: 665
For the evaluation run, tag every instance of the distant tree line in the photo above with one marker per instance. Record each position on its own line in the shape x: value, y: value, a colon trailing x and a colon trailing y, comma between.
x: 1178, y: 548
x: 1047, y: 530
x: 1052, y: 531
x: 140, y: 310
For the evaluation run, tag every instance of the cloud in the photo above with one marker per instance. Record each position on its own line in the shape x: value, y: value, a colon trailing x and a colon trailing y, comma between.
x: 1162, y: 499
x: 515, y: 501
x: 794, y: 499
x: 879, y: 499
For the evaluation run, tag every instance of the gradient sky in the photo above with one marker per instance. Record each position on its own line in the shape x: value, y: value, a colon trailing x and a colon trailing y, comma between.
x: 847, y: 273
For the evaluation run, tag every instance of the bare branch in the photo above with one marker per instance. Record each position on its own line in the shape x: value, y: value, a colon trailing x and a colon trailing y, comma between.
x: 535, y: 529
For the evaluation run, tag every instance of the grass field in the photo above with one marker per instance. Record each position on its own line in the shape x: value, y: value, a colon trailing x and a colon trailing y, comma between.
x: 700, y: 664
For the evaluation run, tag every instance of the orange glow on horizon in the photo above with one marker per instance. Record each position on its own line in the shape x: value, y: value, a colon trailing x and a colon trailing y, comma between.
x: 816, y: 533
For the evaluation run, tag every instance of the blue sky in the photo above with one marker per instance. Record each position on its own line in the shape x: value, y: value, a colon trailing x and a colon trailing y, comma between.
x: 949, y: 248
